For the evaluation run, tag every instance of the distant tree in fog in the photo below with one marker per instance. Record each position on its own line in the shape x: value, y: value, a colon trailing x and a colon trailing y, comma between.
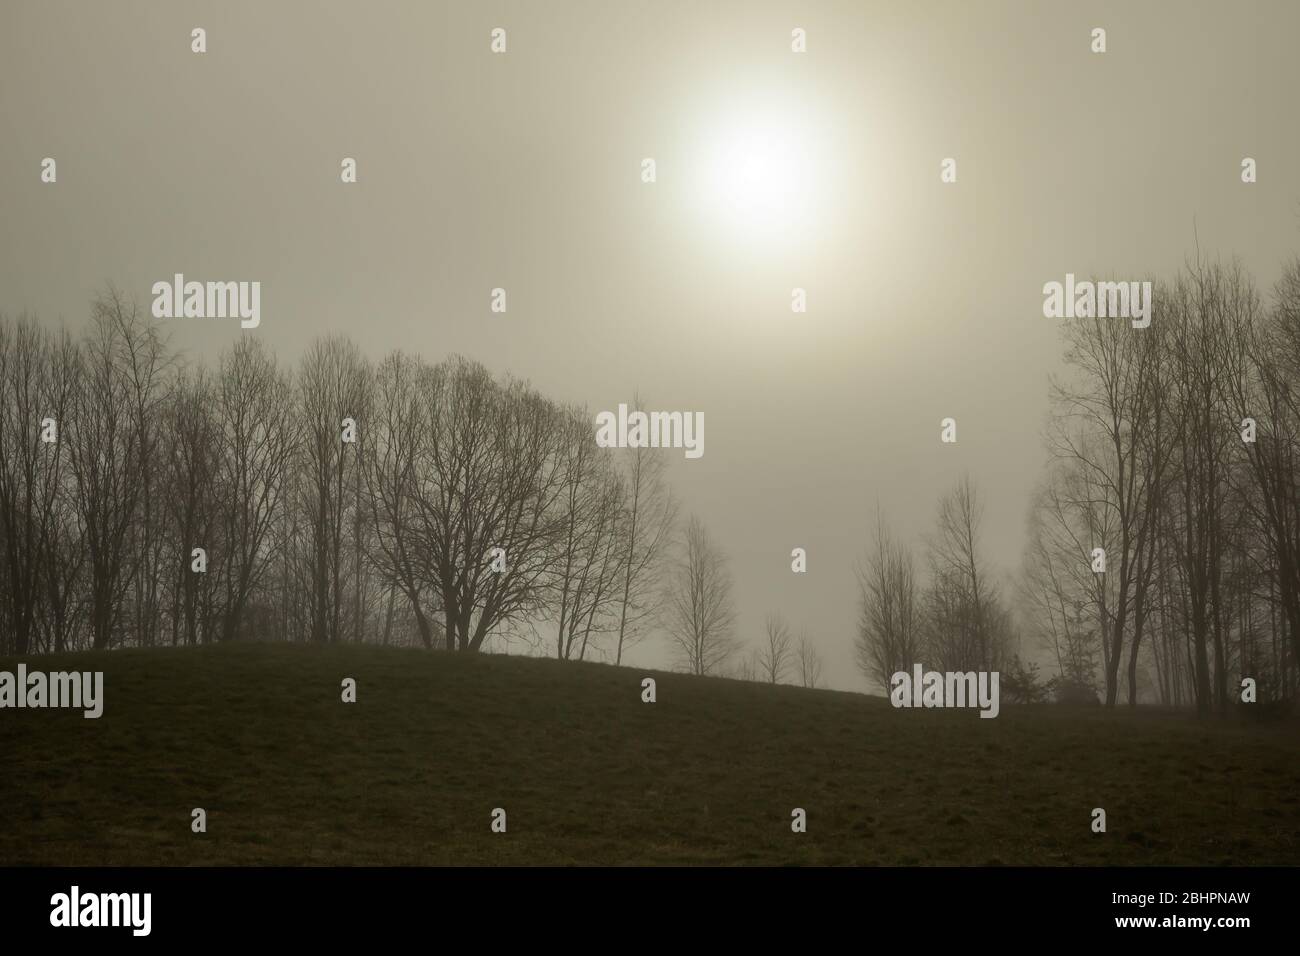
x: 965, y: 622
x: 810, y: 663
x: 647, y: 522
x: 699, y: 612
x: 775, y: 654
x: 889, y: 634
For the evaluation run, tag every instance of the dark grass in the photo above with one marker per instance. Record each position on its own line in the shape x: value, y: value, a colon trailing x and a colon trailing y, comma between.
x: 587, y: 773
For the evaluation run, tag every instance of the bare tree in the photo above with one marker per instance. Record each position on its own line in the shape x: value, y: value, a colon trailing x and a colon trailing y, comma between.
x: 1263, y: 358
x: 394, y: 453
x: 962, y: 601
x: 486, y: 500
x: 646, y: 529
x: 333, y: 386
x: 65, y: 552
x: 36, y: 381
x: 255, y: 430
x: 749, y: 668
x: 700, y: 612
x: 588, y: 565
x: 1107, y: 424
x: 775, y: 654
x: 104, y: 455
x: 1194, y: 317
x: 146, y: 364
x: 191, y: 455
x: 810, y: 663
x: 1058, y: 583
x: 889, y: 633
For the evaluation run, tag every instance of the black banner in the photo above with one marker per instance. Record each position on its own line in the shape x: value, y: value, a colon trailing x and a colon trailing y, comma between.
x: 923, y: 905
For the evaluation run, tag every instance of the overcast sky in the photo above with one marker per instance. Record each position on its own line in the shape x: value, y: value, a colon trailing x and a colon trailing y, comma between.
x: 523, y: 171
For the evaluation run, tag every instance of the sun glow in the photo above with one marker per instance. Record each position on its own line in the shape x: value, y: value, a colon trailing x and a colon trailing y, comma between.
x: 760, y: 176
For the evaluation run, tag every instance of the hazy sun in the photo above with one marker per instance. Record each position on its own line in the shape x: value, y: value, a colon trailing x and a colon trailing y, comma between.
x: 759, y: 175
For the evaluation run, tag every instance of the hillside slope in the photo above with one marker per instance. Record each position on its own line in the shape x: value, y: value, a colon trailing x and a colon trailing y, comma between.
x: 588, y: 773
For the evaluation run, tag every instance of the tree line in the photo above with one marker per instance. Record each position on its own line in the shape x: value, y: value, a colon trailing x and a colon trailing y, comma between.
x: 954, y: 617
x: 146, y: 500
x: 1164, y: 540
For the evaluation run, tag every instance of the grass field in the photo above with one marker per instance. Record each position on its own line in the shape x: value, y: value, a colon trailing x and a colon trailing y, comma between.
x: 587, y: 773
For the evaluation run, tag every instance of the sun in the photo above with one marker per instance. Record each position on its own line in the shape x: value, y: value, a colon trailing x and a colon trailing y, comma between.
x: 756, y: 178
x: 759, y: 176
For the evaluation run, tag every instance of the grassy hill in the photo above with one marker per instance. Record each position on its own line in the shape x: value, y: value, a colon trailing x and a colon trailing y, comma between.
x: 587, y: 773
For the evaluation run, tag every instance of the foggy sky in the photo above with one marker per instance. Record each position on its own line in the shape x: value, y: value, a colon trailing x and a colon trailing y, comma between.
x: 523, y: 171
